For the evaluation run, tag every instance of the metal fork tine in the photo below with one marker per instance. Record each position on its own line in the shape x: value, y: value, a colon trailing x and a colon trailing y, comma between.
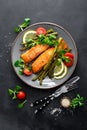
x: 74, y: 86
x: 70, y: 85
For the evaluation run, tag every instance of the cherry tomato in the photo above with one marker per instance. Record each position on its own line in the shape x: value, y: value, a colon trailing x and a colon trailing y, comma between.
x: 69, y: 55
x: 21, y: 95
x: 40, y: 30
x: 69, y: 62
x: 27, y: 72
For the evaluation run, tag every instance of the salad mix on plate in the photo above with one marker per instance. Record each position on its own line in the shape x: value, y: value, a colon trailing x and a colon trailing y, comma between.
x: 43, y: 53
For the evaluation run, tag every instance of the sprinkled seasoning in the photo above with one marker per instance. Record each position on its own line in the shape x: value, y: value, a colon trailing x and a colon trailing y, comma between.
x: 55, y: 111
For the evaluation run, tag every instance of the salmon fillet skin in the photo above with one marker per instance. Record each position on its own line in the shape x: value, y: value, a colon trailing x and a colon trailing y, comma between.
x: 42, y: 60
x: 32, y: 53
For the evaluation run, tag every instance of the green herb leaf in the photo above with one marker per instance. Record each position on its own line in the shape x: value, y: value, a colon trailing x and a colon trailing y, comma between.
x: 18, y: 87
x: 30, y: 67
x: 78, y: 96
x: 27, y: 20
x: 14, y: 96
x: 78, y: 101
x: 16, y: 64
x: 21, y: 105
x: 58, y: 63
x: 66, y: 59
x: 17, y: 29
x: 20, y: 71
x: 10, y: 91
x: 23, y: 25
x: 20, y: 63
x: 50, y: 39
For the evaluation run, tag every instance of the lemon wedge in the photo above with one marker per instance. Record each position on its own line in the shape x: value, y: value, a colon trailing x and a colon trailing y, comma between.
x: 28, y: 35
x: 63, y: 74
x: 59, y: 69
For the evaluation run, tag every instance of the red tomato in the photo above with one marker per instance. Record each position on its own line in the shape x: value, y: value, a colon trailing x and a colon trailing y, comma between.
x: 21, y: 95
x: 26, y: 71
x: 70, y: 62
x: 69, y: 55
x: 40, y: 30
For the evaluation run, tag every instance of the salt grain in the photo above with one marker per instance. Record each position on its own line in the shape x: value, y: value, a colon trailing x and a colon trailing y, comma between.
x: 9, y: 33
x: 5, y: 36
x: 56, y: 111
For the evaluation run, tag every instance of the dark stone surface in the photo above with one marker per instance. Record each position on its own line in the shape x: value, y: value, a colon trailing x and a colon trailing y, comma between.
x: 72, y: 15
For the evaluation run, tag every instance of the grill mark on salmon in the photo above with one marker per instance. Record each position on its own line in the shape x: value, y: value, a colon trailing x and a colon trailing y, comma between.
x: 42, y: 60
x: 32, y: 53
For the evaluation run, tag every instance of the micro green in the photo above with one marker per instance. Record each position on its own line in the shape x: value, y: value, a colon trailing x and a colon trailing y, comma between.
x: 13, y: 93
x: 78, y: 101
x: 22, y: 26
x: 21, y: 105
x: 51, y: 40
x: 20, y: 63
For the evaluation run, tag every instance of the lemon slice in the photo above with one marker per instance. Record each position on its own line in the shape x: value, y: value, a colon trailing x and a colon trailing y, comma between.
x: 59, y: 69
x: 63, y: 73
x: 28, y: 35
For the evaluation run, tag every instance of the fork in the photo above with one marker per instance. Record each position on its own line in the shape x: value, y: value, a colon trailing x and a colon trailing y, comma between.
x: 70, y: 85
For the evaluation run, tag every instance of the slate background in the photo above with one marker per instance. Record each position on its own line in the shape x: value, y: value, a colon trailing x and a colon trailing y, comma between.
x: 72, y: 15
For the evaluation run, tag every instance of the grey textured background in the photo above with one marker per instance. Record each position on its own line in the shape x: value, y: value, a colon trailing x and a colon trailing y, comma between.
x: 72, y: 15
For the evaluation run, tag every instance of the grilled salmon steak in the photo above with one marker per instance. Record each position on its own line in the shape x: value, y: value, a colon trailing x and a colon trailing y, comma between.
x: 42, y: 60
x: 32, y: 53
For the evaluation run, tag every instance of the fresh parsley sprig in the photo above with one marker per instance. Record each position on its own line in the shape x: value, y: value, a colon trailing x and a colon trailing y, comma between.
x: 78, y: 101
x: 23, y: 25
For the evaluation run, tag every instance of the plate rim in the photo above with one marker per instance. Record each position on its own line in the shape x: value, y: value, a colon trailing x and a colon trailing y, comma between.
x: 46, y: 23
